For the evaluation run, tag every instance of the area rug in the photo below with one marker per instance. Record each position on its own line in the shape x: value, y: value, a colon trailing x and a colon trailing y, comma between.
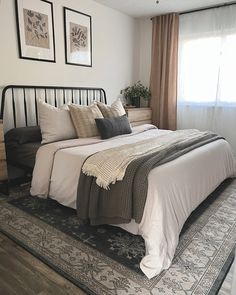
x: 105, y: 259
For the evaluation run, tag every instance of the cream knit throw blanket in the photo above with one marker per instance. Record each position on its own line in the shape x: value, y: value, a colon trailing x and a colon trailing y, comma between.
x: 109, y: 166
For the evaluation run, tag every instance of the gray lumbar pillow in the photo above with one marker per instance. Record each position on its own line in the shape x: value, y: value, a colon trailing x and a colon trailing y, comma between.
x: 110, y: 127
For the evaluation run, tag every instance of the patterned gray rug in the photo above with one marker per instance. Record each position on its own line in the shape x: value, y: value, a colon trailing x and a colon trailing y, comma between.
x: 104, y: 259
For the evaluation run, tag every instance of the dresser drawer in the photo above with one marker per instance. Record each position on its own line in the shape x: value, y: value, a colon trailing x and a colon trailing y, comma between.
x: 1, y: 133
x: 2, y: 151
x: 139, y: 116
x: 3, y: 170
x: 140, y: 123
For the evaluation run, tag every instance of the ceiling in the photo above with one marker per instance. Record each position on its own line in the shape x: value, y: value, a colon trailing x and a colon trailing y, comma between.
x: 149, y: 8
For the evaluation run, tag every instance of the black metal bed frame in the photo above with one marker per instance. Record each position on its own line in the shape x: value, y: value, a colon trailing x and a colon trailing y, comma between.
x: 31, y: 93
x: 78, y: 95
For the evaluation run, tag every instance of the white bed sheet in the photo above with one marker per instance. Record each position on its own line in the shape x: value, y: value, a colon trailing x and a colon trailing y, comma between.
x: 175, y: 189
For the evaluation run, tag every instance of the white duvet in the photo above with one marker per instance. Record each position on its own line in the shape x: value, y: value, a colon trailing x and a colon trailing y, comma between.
x: 175, y: 189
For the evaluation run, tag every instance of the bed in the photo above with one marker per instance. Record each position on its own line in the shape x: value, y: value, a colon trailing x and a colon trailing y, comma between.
x: 175, y: 188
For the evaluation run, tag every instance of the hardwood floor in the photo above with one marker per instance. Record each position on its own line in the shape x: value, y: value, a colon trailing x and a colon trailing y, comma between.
x: 23, y: 274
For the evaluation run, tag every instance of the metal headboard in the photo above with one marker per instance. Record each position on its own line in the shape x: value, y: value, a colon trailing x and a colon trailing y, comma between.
x: 21, y: 100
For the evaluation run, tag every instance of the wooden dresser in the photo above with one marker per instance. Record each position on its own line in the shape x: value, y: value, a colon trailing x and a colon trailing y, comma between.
x: 139, y: 116
x: 3, y: 162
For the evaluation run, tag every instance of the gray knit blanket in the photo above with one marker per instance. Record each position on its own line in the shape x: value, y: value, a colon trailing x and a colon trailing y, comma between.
x: 125, y: 200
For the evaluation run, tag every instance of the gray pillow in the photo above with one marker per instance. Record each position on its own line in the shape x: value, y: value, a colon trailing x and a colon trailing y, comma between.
x: 23, y: 135
x: 110, y: 127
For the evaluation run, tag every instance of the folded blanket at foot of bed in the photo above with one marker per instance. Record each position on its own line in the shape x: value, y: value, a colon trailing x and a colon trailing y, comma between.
x: 125, y: 199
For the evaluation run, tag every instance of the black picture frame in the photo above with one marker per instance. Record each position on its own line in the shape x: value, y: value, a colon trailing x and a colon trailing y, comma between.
x: 35, y: 30
x: 78, y: 50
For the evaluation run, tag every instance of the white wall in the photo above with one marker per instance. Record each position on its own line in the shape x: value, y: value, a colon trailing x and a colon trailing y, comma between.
x: 145, y: 47
x: 115, y: 50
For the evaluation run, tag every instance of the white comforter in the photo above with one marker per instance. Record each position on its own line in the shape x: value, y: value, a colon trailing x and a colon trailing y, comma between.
x: 175, y: 189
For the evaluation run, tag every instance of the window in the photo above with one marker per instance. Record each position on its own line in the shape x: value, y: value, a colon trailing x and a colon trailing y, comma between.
x: 199, y: 70
x: 207, y: 59
x: 207, y: 72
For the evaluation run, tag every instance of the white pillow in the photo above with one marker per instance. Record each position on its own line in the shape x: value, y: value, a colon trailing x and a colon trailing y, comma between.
x: 55, y: 123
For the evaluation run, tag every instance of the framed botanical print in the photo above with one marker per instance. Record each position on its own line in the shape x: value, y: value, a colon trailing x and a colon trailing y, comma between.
x: 78, y: 38
x: 35, y: 29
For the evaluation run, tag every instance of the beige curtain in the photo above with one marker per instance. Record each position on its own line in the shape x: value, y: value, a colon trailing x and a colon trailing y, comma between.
x: 163, y: 81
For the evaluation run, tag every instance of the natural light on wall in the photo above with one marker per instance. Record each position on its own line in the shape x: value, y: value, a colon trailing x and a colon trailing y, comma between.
x: 207, y: 71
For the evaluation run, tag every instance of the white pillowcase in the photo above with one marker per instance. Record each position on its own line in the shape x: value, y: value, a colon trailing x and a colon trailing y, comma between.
x: 55, y: 123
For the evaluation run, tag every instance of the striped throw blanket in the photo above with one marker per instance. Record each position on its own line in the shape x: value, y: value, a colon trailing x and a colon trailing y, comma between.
x: 110, y: 165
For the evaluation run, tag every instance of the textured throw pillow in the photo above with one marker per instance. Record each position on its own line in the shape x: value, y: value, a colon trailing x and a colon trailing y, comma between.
x: 110, y: 127
x: 115, y: 110
x: 83, y: 118
x: 55, y: 123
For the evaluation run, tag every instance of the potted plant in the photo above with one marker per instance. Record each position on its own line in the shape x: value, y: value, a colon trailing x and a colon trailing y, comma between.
x: 134, y: 93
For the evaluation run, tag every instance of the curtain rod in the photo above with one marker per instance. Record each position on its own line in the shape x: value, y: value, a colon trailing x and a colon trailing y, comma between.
x: 209, y: 7
x: 205, y: 8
